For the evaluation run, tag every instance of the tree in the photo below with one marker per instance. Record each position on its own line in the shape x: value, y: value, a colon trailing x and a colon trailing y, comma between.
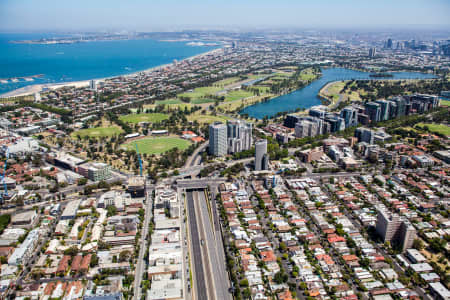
x: 418, y: 244
x: 72, y: 251
x: 244, y: 282
x: 94, y: 260
x: 111, y: 210
x: 246, y: 293
x: 280, y: 277
x: 437, y: 244
x: 82, y: 181
x: 124, y: 256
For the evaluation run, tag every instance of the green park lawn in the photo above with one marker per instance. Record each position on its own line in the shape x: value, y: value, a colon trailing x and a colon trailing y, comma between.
x: 227, y: 81
x: 206, y: 119
x: 262, y: 89
x: 169, y: 101
x: 307, y: 75
x: 201, y: 92
x: 237, y: 95
x: 445, y: 102
x: 97, y: 132
x: 202, y: 100
x: 136, y: 118
x: 437, y: 128
x: 157, y: 145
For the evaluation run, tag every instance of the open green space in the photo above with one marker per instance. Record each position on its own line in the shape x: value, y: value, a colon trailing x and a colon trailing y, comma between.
x: 436, y: 128
x: 169, y: 101
x: 157, y: 145
x: 237, y: 95
x: 206, y: 119
x: 262, y: 89
x: 143, y: 117
x: 445, y: 102
x: 334, y: 90
x: 97, y: 132
x: 307, y: 74
x: 226, y: 81
x: 201, y: 92
x: 280, y: 76
x: 202, y: 100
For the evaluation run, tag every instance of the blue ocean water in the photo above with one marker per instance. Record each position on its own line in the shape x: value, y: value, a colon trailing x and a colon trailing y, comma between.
x: 83, y: 61
x: 307, y: 96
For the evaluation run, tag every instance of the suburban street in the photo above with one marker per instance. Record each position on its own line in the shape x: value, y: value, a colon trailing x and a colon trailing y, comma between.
x: 141, y: 264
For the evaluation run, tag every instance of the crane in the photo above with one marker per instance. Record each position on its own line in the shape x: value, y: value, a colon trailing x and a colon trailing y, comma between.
x: 139, y: 159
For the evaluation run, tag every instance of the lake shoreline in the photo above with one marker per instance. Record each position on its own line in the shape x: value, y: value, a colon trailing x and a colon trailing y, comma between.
x: 309, y: 95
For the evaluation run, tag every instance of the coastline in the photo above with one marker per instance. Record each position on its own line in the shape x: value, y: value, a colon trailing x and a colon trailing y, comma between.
x: 35, y: 88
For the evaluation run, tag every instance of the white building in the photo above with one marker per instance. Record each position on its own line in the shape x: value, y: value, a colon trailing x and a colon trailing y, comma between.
x: 26, y: 249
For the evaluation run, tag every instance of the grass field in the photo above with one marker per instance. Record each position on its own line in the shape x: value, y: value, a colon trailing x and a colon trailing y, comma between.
x: 201, y: 92
x: 97, y: 132
x: 169, y: 106
x: 227, y: 81
x: 136, y: 118
x: 307, y: 74
x: 206, y: 119
x: 262, y: 89
x: 335, y: 88
x: 236, y: 95
x: 437, y: 128
x: 280, y: 76
x: 202, y: 100
x: 157, y: 145
x: 231, y: 106
x: 169, y: 101
x: 445, y: 102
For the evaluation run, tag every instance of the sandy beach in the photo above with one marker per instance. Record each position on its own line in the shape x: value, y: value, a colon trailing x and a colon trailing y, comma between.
x: 35, y: 88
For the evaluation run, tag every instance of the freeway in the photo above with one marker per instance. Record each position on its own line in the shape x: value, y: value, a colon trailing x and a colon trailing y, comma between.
x: 205, y: 247
x: 141, y: 264
x: 211, y: 248
x: 199, y: 286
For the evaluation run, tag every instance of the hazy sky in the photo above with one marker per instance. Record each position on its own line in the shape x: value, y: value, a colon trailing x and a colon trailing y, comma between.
x: 40, y: 15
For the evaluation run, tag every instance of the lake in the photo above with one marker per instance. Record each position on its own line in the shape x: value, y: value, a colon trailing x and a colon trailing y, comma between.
x: 308, y: 96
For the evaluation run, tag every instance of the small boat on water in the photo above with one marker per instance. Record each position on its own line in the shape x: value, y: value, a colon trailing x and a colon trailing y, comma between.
x: 3, y: 81
x: 28, y: 79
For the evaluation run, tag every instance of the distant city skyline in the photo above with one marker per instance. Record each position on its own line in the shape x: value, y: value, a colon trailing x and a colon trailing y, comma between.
x: 140, y: 15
